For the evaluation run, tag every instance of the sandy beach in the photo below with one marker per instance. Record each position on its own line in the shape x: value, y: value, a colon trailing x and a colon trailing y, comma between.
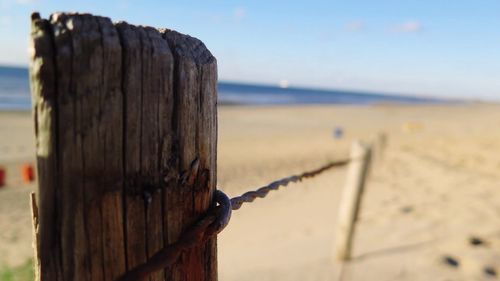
x: 431, y: 210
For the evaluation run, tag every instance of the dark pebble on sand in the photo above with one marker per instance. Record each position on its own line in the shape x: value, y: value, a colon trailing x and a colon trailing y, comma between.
x: 407, y: 209
x: 490, y: 271
x: 475, y: 241
x: 451, y: 261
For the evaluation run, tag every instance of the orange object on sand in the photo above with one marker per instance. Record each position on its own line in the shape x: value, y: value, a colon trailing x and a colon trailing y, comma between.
x: 27, y: 173
x: 2, y: 176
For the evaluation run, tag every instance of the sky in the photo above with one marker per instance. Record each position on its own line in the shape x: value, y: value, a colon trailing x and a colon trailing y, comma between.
x: 440, y: 48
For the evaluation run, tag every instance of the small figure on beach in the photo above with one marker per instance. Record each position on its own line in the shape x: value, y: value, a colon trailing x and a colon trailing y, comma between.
x: 338, y: 132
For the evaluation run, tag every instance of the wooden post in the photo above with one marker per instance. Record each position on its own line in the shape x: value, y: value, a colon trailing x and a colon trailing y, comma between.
x: 379, y: 143
x: 126, y: 133
x: 34, y: 221
x: 351, y: 199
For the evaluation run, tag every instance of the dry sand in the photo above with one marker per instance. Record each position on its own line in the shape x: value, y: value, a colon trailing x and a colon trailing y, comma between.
x: 435, y: 188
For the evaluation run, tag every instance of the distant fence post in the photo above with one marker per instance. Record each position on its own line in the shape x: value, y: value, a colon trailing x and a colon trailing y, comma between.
x: 379, y: 144
x: 351, y: 199
x: 126, y: 132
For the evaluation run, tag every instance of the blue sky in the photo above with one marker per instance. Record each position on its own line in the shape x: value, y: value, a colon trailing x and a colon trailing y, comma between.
x: 420, y: 47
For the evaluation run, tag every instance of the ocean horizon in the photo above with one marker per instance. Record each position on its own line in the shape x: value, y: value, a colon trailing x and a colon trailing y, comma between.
x: 15, y: 94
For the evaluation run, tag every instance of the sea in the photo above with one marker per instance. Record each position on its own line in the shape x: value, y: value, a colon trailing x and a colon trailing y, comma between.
x: 15, y: 94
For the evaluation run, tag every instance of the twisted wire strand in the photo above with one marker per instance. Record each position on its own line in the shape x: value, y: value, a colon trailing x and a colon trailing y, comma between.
x: 213, y: 222
x: 209, y: 226
x: 262, y: 192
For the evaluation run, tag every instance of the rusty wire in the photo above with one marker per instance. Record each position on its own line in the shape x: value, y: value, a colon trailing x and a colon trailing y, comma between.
x: 212, y: 223
x: 262, y: 192
x: 209, y: 226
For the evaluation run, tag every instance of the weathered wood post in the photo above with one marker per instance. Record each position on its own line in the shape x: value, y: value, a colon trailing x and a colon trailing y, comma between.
x: 351, y: 199
x: 378, y: 144
x: 126, y: 133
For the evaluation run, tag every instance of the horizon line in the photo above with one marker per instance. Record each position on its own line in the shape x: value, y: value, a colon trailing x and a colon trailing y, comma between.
x: 317, y: 88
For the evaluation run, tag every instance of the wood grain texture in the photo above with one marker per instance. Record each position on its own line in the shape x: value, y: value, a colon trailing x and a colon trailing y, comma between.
x: 195, y: 98
x: 43, y: 89
x: 36, y: 234
x: 135, y: 234
x: 111, y: 132
x: 126, y: 126
x: 69, y: 157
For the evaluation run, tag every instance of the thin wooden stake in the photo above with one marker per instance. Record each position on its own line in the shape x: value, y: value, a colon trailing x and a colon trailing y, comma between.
x: 34, y: 221
x: 379, y: 143
x: 351, y: 199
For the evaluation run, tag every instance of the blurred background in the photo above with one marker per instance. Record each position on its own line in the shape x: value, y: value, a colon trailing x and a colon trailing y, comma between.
x: 298, y: 82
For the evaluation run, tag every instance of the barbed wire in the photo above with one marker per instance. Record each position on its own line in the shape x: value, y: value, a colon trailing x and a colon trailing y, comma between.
x: 214, y: 221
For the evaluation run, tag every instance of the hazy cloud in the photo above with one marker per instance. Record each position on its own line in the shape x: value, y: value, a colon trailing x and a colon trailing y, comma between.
x: 239, y: 13
x: 123, y: 5
x: 407, y: 27
x: 25, y: 2
x: 228, y: 17
x: 354, y: 26
x: 215, y: 18
x: 5, y: 4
